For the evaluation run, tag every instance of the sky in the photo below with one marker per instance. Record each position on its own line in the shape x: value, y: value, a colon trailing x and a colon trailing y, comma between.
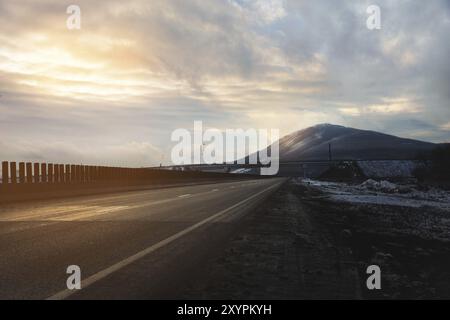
x: 113, y: 91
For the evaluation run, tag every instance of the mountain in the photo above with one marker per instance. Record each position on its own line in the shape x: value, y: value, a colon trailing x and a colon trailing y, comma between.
x: 348, y: 143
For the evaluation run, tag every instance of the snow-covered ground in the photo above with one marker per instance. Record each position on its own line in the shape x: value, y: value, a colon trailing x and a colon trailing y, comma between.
x: 380, y: 169
x: 382, y: 193
x: 403, y: 228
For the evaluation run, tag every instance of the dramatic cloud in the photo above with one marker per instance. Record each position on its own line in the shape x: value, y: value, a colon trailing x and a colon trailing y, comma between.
x: 139, y: 69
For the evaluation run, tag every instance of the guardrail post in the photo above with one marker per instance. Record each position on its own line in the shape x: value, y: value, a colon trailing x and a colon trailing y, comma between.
x: 77, y: 173
x: 56, y: 175
x: 43, y: 172
x: 5, y: 172
x: 72, y: 173
x: 22, y: 172
x: 105, y: 173
x: 13, y: 170
x: 100, y: 173
x: 62, y: 176
x: 86, y: 174
x: 83, y: 174
x: 91, y: 173
x: 96, y: 173
x: 50, y: 172
x: 29, y: 173
x: 37, y: 176
x: 68, y: 173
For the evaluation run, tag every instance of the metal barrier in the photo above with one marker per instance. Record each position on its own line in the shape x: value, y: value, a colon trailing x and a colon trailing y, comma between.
x: 50, y: 173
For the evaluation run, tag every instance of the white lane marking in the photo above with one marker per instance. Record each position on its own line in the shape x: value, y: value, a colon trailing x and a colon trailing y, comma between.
x: 92, y: 211
x: 232, y: 187
x: 121, y: 264
x: 49, y: 212
x: 97, y: 211
x: 215, y: 190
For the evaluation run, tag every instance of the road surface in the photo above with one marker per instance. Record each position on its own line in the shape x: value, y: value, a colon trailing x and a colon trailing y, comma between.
x: 132, y: 245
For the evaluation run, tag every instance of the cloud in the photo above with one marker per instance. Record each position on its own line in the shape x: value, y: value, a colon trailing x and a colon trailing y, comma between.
x: 445, y: 126
x: 262, y: 11
x: 135, y: 154
x: 350, y: 111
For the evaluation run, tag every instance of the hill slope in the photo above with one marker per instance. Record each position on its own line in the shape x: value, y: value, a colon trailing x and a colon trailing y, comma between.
x: 347, y: 143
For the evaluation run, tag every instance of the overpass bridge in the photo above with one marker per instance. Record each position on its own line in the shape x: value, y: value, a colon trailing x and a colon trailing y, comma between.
x: 301, y: 168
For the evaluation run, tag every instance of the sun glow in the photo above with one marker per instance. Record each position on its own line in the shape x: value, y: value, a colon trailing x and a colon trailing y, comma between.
x: 50, y: 66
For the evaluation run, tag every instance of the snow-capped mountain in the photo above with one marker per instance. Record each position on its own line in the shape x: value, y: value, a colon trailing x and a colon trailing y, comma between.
x: 347, y: 143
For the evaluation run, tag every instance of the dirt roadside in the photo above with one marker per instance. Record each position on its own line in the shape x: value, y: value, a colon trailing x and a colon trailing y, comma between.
x: 286, y: 252
x: 410, y: 245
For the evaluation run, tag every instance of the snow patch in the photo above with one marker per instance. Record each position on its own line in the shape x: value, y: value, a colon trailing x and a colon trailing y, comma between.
x: 383, y: 186
x: 388, y: 168
x: 382, y: 193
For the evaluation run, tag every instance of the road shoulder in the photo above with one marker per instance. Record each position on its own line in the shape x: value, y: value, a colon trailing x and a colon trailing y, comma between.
x: 283, y: 253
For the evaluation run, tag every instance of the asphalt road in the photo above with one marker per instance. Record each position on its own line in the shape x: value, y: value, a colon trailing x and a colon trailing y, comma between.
x: 132, y: 245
